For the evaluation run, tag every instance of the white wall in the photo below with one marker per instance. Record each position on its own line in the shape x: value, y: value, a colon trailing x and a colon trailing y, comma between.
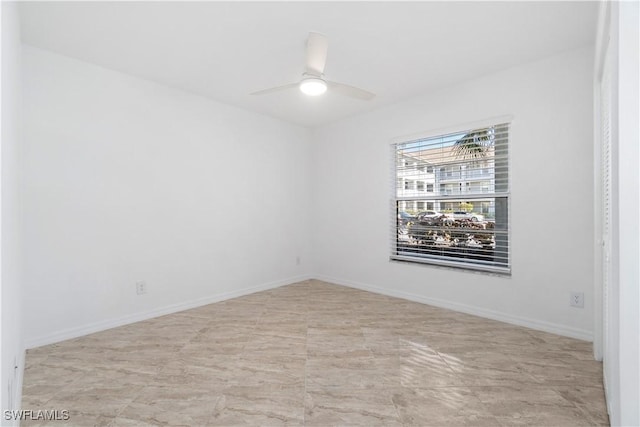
x: 551, y: 203
x: 619, y: 31
x: 128, y: 180
x: 12, y: 353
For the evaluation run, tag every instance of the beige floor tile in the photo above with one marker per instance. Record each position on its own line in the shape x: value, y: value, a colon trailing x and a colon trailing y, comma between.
x: 441, y: 406
x: 531, y: 405
x: 357, y: 372
x: 590, y: 400
x: 258, y: 370
x: 264, y: 406
x: 94, y: 401
x: 314, y: 353
x: 421, y: 366
x: 213, y: 373
x: 277, y: 343
x: 75, y: 420
x: 343, y: 407
x: 172, y: 406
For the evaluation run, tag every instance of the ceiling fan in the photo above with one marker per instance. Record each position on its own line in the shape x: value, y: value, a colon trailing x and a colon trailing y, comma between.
x: 313, y: 82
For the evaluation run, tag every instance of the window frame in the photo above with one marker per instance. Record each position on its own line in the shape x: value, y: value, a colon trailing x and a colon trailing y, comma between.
x: 451, y: 262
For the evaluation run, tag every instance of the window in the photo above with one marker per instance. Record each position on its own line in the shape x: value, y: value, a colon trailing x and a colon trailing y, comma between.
x: 420, y: 185
x: 472, y: 228
x: 450, y: 172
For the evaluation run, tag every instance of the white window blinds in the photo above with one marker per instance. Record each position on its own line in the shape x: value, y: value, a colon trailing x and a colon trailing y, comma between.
x: 467, y: 224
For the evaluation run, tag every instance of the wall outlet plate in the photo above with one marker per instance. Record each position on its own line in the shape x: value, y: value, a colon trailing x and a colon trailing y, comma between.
x: 141, y: 287
x: 577, y: 299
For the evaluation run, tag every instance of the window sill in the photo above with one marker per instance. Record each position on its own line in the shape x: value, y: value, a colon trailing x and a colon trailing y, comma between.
x: 452, y: 265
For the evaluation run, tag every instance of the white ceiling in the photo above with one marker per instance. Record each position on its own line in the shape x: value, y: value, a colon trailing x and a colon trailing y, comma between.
x: 226, y: 50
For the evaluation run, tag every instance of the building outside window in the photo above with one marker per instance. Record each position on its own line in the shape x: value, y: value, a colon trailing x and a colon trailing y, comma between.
x: 412, y: 178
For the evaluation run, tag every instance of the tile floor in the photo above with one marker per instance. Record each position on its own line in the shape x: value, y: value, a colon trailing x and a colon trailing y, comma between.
x: 317, y: 354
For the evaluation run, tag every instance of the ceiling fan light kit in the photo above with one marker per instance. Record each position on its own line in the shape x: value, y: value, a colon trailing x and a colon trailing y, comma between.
x: 313, y: 86
x: 313, y: 82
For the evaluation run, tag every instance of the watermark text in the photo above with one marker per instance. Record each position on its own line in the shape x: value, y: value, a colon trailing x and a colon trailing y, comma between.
x: 37, y: 415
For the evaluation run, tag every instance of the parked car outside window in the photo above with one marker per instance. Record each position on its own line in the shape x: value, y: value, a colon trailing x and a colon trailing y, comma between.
x: 404, y: 218
x: 428, y: 215
x: 466, y: 215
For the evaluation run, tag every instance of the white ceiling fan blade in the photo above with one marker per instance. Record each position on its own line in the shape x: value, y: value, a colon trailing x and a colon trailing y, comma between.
x: 317, y: 45
x: 351, y: 91
x: 275, y: 89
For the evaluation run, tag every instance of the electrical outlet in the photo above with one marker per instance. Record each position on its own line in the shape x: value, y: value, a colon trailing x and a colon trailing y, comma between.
x: 141, y: 287
x: 577, y: 299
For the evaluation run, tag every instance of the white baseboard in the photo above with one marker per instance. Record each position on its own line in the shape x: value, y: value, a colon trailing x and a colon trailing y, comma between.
x: 174, y: 308
x: 15, y: 400
x: 539, y: 325
x: 91, y: 328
